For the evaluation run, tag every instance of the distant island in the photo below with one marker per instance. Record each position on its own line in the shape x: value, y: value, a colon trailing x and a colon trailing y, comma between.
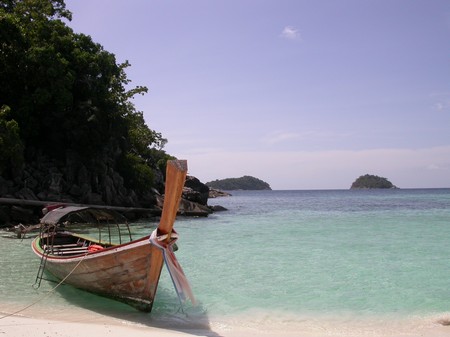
x: 242, y: 183
x: 370, y: 181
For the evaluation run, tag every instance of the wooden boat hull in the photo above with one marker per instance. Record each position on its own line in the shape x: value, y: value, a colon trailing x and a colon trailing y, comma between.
x: 128, y: 273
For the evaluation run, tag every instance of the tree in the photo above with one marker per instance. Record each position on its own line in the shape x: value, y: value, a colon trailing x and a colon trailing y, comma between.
x: 65, y: 93
x: 11, y: 147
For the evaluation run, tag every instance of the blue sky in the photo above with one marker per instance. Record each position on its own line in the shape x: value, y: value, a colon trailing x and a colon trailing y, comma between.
x: 301, y: 94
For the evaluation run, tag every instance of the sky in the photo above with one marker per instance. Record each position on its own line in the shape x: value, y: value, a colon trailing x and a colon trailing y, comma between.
x: 301, y: 94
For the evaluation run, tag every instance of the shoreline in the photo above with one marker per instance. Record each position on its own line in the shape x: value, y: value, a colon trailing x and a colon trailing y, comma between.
x: 81, y: 322
x: 34, y: 327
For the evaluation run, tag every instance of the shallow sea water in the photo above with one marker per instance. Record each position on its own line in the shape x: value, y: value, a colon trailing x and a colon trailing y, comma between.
x: 329, y: 262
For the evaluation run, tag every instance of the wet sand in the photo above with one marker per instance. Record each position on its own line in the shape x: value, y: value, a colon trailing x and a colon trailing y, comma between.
x: 98, y: 325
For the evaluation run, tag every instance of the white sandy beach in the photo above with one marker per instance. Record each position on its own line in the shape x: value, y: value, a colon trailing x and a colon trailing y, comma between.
x: 98, y: 325
x: 30, y: 327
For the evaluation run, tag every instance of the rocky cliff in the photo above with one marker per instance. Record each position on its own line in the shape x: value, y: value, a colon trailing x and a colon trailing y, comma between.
x: 95, y: 183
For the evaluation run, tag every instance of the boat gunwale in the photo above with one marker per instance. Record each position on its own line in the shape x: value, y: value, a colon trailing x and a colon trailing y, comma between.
x: 88, y: 255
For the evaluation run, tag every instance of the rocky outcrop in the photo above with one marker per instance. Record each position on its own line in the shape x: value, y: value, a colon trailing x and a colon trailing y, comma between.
x: 194, y: 200
x: 195, y: 191
x: 217, y: 208
x: 214, y: 193
x: 187, y: 208
x: 74, y: 182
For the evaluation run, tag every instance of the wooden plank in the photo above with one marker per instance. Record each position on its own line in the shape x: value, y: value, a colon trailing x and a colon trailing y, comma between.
x: 175, y: 177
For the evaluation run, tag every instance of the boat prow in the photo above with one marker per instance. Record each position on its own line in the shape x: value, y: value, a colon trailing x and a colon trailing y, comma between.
x: 128, y: 272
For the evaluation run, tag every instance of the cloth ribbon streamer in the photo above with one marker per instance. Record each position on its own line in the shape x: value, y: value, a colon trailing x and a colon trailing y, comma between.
x: 177, y: 275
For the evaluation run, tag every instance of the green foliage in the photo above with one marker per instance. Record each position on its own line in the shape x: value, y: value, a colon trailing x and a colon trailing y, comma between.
x: 136, y: 173
x: 243, y: 183
x: 35, y: 10
x: 140, y: 136
x: 67, y: 93
x: 371, y: 181
x: 11, y: 147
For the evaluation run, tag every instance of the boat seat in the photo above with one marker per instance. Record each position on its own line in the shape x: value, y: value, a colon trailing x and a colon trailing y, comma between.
x: 73, y: 251
x: 69, y: 245
x: 65, y: 249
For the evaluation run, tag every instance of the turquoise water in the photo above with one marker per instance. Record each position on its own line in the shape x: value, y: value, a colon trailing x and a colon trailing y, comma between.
x: 323, y: 251
x: 374, y: 253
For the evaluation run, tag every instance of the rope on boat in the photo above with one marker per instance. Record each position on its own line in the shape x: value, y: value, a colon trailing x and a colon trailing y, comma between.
x: 50, y: 292
x: 176, y: 273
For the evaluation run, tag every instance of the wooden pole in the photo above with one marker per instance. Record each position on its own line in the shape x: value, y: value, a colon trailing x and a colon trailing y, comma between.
x: 40, y: 203
x: 175, y: 178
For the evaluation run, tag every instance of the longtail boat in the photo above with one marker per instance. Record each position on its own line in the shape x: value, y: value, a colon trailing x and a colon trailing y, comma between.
x: 128, y: 272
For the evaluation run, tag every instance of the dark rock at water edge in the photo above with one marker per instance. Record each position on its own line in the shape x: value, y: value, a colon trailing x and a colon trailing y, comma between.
x: 195, y: 191
x: 218, y: 208
x: 214, y: 193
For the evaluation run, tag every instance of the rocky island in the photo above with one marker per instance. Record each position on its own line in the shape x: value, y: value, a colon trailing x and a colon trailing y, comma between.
x: 370, y: 181
x: 242, y: 183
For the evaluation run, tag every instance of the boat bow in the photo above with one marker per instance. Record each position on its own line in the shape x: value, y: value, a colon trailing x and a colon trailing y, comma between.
x: 164, y: 237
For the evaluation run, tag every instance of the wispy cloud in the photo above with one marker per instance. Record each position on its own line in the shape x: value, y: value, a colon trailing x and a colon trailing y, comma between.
x: 311, y: 136
x: 440, y: 166
x: 290, y: 33
x: 441, y: 101
x: 279, y: 137
x: 441, y: 106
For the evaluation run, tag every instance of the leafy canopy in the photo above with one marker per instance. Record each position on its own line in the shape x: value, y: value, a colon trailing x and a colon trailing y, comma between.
x: 64, y: 92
